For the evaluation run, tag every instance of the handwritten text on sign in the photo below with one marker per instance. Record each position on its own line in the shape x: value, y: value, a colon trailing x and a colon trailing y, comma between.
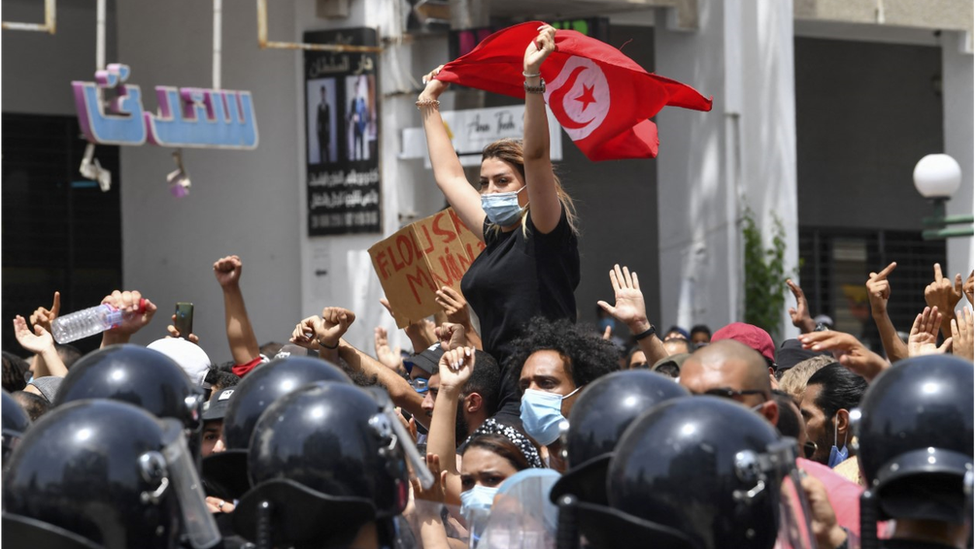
x: 416, y: 261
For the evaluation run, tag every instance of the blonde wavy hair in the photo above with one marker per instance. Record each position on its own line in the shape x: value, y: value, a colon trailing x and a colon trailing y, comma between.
x: 510, y: 150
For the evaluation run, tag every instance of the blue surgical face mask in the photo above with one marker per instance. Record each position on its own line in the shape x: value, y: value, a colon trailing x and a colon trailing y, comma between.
x: 541, y: 413
x: 479, y: 497
x: 502, y: 209
x: 837, y: 456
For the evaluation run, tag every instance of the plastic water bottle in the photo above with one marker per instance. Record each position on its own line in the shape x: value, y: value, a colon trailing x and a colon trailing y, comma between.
x: 88, y: 322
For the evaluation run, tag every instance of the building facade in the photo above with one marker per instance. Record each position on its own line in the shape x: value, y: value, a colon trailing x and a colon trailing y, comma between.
x: 821, y: 110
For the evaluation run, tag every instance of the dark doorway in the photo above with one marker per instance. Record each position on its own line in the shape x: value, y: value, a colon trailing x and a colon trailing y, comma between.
x: 60, y: 231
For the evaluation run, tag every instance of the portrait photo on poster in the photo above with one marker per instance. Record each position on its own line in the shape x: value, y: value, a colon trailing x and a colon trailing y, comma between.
x: 361, y: 117
x: 322, y: 113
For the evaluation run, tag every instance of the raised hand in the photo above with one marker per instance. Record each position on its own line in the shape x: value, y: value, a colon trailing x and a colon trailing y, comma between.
x: 335, y: 322
x: 539, y: 49
x: 420, y: 332
x: 173, y: 332
x: 801, y: 313
x: 304, y: 333
x: 879, y: 290
x: 924, y: 336
x: 454, y: 305
x: 37, y: 342
x: 455, y: 368
x: 628, y: 305
x: 136, y: 312
x: 388, y: 356
x: 967, y: 288
x: 942, y: 293
x: 962, y: 334
x: 433, y: 87
x: 850, y: 352
x: 436, y: 491
x: 43, y: 317
x: 450, y: 335
x: 227, y: 270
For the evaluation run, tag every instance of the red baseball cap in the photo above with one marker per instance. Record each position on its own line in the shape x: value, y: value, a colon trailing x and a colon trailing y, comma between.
x: 749, y: 335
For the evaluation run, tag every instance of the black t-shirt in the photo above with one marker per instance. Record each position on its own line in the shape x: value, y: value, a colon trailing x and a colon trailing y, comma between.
x: 519, y: 276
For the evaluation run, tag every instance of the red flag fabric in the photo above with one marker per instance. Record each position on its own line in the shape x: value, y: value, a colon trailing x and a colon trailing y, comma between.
x: 601, y: 97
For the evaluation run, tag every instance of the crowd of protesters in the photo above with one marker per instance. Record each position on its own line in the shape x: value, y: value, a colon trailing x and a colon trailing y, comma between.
x: 510, y: 424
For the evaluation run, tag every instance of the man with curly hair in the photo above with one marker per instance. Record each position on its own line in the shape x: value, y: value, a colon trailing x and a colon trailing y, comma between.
x: 554, y: 361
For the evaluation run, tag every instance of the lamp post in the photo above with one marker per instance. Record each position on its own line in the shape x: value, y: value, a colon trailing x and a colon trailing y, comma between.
x: 937, y: 177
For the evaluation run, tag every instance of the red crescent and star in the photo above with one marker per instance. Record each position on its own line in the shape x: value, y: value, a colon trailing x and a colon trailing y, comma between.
x: 586, y: 97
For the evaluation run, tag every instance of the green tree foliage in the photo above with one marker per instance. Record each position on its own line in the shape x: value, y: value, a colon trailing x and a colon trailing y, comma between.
x: 764, y: 273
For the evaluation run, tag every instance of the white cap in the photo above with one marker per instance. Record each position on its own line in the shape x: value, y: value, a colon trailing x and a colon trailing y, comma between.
x: 189, y: 356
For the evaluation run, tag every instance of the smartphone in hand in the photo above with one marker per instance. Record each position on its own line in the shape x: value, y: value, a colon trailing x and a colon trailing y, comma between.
x: 184, y: 319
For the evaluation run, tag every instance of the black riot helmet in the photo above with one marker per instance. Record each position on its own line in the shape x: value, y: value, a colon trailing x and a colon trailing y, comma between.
x: 915, y: 440
x: 327, y: 450
x: 137, y: 375
x: 264, y: 385
x: 110, y: 473
x: 701, y: 473
x: 602, y: 412
x: 15, y: 422
x: 226, y: 472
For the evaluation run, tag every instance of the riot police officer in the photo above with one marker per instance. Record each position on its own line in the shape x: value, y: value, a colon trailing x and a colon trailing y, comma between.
x: 601, y: 414
x: 15, y: 422
x: 915, y: 438
x: 226, y: 472
x: 329, y: 467
x: 140, y: 376
x: 699, y: 472
x: 104, y: 473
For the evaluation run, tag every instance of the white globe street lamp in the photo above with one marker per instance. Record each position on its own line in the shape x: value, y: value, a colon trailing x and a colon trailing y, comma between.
x: 937, y: 177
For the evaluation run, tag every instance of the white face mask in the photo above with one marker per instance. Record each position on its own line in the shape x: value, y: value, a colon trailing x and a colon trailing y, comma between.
x: 541, y: 414
x: 502, y: 209
x: 479, y: 497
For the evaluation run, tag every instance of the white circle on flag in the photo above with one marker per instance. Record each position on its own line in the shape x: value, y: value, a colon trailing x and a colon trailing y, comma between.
x: 579, y: 97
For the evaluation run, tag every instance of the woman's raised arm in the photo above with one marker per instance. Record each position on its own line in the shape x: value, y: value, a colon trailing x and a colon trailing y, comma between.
x: 448, y: 172
x: 539, y: 178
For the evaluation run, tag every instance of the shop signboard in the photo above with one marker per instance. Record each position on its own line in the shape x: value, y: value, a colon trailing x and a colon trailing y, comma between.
x: 111, y: 112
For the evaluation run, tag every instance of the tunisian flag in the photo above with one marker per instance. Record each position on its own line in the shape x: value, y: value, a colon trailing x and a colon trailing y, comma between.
x: 601, y: 97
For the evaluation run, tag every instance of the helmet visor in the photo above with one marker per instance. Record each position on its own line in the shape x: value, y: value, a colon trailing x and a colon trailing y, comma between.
x: 522, y: 515
x: 10, y: 440
x: 794, y: 515
x: 198, y: 524
x: 388, y: 422
x: 794, y: 508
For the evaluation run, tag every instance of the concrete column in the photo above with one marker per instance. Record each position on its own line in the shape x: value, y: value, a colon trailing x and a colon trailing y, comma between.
x: 957, y: 94
x: 712, y: 165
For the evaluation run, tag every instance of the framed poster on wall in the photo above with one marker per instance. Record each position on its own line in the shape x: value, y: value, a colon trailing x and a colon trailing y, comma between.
x: 342, y: 126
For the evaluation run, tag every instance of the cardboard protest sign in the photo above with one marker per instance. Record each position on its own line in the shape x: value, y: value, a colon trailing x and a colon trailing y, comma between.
x: 416, y: 261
